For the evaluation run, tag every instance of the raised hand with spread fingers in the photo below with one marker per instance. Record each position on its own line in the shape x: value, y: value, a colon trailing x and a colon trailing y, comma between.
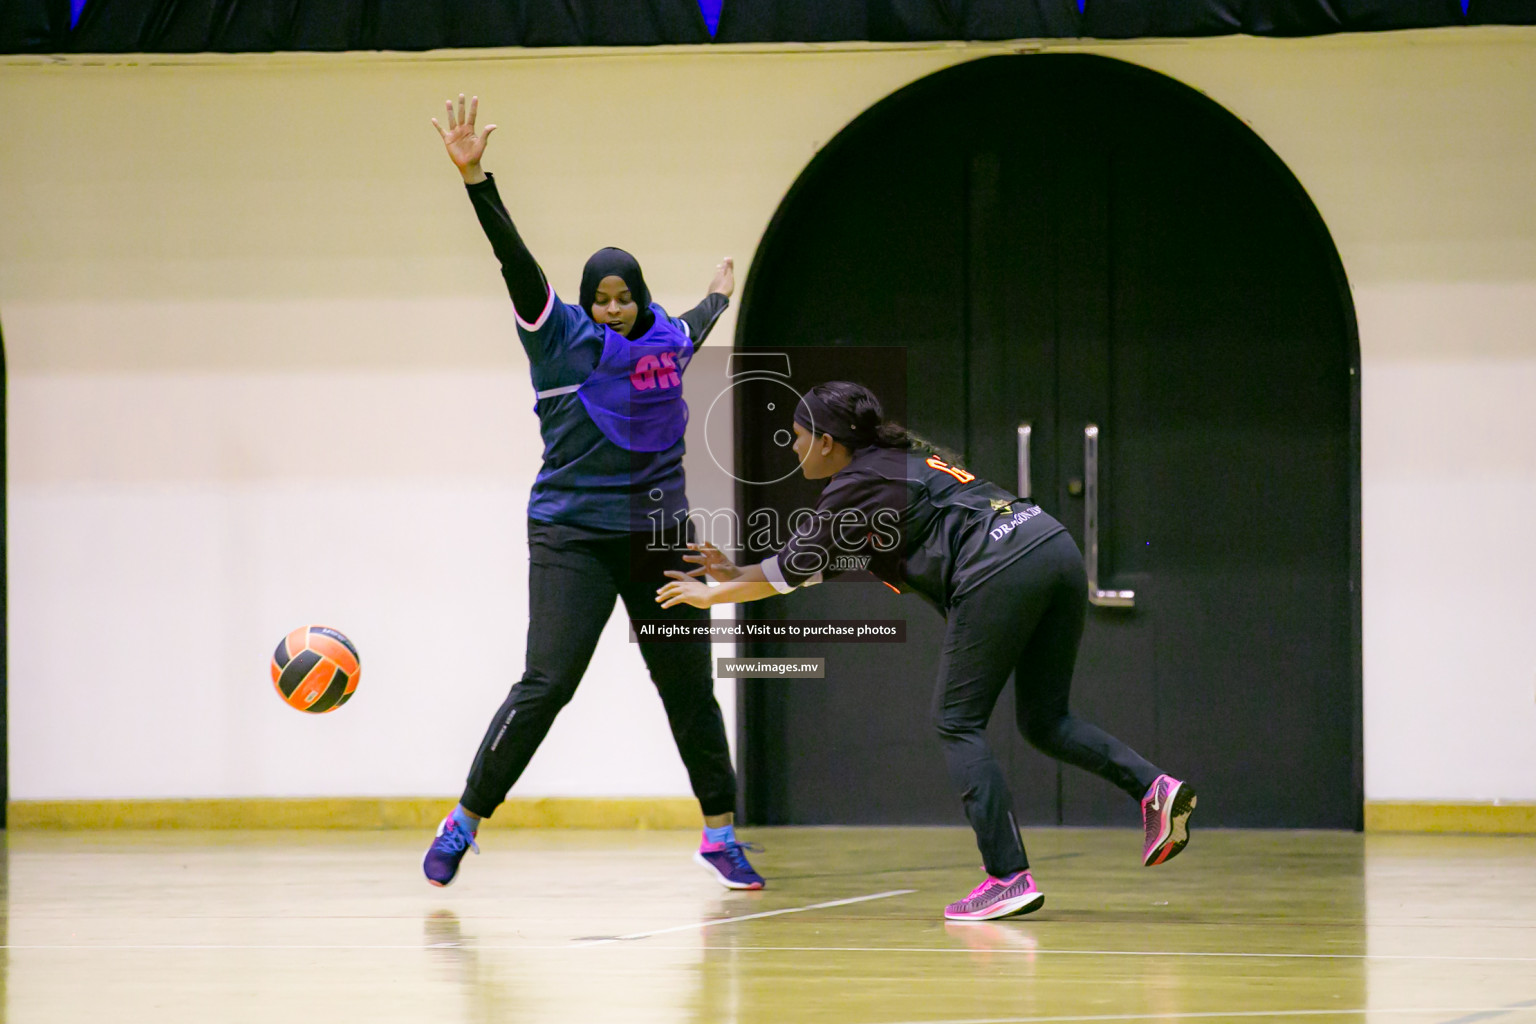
x: 465, y: 147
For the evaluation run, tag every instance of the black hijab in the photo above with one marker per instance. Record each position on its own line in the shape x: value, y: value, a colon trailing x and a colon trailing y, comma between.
x: 612, y: 262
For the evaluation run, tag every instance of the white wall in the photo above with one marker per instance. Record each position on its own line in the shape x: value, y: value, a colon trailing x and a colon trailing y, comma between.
x: 262, y: 371
x: 1449, y: 492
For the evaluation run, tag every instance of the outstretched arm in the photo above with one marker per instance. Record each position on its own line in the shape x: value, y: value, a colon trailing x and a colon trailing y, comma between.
x: 750, y: 585
x: 853, y: 509
x: 525, y: 280
x: 701, y: 318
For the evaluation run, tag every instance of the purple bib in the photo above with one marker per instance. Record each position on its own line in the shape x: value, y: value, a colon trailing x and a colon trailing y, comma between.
x: 635, y: 395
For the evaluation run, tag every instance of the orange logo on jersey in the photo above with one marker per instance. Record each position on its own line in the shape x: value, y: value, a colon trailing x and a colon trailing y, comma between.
x: 939, y: 464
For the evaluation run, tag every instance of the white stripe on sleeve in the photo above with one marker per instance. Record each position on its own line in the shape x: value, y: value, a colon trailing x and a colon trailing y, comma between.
x: 774, y: 575
x: 549, y: 305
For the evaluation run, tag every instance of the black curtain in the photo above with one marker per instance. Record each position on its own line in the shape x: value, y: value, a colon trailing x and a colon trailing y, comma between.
x: 190, y: 26
x: 909, y: 20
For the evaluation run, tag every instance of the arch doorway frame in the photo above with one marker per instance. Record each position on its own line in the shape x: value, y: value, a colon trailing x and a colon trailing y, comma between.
x: 755, y: 717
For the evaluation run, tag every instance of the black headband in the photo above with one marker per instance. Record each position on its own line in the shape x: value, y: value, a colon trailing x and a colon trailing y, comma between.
x: 819, y: 418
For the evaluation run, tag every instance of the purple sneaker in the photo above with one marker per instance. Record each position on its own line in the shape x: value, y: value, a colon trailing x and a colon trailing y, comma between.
x: 728, y: 862
x: 1165, y: 812
x: 442, y: 860
x: 998, y: 897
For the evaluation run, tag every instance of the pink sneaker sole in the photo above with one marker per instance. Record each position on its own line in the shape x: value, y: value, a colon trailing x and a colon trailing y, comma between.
x: 998, y: 897
x: 1018, y: 906
x: 1174, y: 835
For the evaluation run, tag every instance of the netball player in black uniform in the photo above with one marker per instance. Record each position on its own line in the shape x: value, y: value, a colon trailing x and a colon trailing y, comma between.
x: 607, y: 376
x: 1009, y: 580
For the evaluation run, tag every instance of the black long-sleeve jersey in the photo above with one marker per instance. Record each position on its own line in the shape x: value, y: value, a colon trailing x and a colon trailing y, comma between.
x: 913, y: 520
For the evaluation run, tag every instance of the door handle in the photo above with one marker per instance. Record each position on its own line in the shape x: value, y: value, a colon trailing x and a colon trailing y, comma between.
x: 1102, y: 598
x: 1024, y: 487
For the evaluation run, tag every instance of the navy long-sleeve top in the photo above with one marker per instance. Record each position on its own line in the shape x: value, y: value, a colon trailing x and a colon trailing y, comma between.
x: 586, y: 480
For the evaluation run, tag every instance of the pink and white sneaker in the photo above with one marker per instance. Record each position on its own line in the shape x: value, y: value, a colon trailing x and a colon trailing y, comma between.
x: 998, y: 897
x: 1165, y: 812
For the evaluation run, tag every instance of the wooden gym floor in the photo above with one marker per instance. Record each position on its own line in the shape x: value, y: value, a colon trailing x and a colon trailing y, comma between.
x: 299, y: 927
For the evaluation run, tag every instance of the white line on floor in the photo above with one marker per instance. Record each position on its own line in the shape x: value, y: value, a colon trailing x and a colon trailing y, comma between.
x: 696, y: 925
x: 540, y: 947
x: 1225, y: 1015
x: 1025, y: 951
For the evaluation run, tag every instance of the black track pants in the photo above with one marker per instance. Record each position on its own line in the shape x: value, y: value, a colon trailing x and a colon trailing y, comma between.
x: 573, y: 577
x: 1026, y: 620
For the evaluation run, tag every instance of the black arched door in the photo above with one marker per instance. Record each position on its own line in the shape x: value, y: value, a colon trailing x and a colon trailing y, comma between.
x: 1093, y: 251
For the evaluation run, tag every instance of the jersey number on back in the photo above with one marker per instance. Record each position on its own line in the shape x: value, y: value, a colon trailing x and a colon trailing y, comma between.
x: 934, y: 462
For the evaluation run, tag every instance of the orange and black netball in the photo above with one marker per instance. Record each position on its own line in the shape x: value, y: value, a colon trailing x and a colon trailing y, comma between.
x: 315, y: 669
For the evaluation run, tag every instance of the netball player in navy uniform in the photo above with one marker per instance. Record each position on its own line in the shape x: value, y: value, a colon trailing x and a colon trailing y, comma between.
x: 1009, y: 580
x: 607, y: 374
